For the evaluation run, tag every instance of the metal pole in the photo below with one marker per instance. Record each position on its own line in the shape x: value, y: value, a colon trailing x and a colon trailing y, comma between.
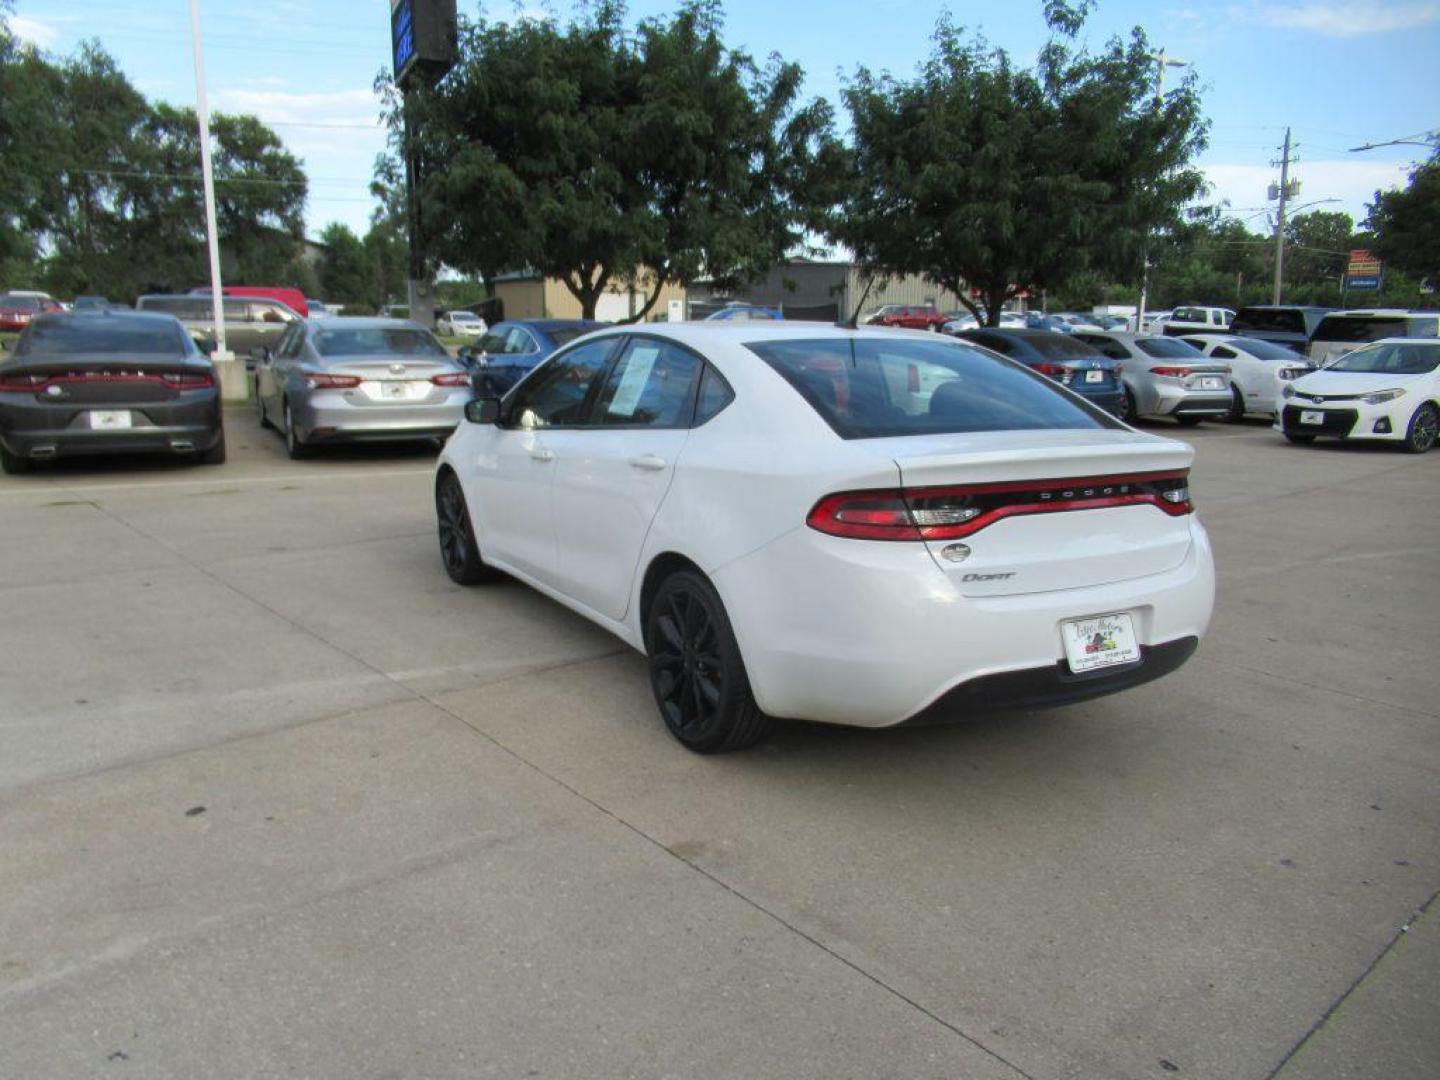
x: 1280, y: 219
x: 202, y: 109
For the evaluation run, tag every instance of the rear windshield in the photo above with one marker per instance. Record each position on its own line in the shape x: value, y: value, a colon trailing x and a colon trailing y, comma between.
x: 1359, y: 328
x: 1169, y: 348
x: 567, y: 334
x: 1393, y: 359
x: 378, y: 341
x: 1270, y: 322
x: 1061, y: 346
x: 66, y: 336
x: 20, y: 303
x: 1265, y: 350
x: 865, y: 388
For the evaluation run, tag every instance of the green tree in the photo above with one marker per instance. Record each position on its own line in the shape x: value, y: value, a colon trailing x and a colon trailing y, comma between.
x: 595, y: 156
x: 978, y: 173
x: 1317, y: 245
x: 1406, y: 223
x: 346, y: 275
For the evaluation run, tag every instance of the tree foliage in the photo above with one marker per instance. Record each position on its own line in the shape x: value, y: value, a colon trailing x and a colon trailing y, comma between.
x: 1406, y: 223
x: 597, y: 156
x: 103, y: 191
x: 981, y: 174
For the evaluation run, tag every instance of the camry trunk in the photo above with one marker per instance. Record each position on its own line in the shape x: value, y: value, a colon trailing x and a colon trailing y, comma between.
x: 1003, y: 515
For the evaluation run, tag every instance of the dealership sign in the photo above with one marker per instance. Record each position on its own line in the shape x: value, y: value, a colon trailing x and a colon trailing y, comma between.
x: 1364, y: 270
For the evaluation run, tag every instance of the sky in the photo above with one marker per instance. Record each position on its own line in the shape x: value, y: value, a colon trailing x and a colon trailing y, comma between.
x: 1339, y: 74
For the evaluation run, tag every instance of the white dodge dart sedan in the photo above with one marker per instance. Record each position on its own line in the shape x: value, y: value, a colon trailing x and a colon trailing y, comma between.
x: 867, y: 527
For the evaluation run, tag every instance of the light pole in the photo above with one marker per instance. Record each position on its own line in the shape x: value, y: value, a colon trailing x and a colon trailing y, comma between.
x: 1424, y: 138
x: 1162, y: 61
x: 202, y: 110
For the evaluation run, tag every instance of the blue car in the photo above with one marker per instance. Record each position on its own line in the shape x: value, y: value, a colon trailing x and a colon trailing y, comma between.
x: 1068, y: 360
x: 509, y: 350
x: 745, y: 313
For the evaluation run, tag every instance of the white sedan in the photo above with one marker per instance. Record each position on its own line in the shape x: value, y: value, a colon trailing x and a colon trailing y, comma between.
x: 460, y: 324
x: 1388, y: 391
x: 1259, y: 370
x: 862, y: 527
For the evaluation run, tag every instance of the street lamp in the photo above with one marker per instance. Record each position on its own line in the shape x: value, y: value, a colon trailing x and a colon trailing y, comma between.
x: 1162, y: 61
x: 1424, y: 138
x: 202, y: 111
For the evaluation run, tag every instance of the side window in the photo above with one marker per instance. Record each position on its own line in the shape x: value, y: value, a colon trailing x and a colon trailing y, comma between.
x: 652, y: 385
x: 1223, y: 353
x: 291, y: 344
x: 557, y: 395
x: 492, y: 344
x: 715, y: 394
x: 266, y: 313
x: 519, y: 341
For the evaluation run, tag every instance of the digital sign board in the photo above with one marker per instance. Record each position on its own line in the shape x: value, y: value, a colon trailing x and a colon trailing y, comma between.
x: 422, y: 39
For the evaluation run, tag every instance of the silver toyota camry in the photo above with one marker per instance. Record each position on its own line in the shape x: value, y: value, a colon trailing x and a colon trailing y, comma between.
x: 1165, y: 376
x: 358, y: 380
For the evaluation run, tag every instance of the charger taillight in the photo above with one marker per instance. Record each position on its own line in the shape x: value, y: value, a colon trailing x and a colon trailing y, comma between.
x: 953, y: 511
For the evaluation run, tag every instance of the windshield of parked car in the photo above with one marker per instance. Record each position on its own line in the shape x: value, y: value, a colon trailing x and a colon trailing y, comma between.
x: 1168, y: 348
x: 1393, y: 358
x: 1062, y: 347
x: 378, y: 341
x: 1359, y: 328
x: 1264, y: 350
x: 71, y: 336
x: 865, y: 388
x: 463, y: 316
x: 1269, y: 321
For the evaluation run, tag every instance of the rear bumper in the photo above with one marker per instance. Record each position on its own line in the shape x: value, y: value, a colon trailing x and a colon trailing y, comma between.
x: 43, y: 430
x: 321, y: 421
x: 1178, y: 401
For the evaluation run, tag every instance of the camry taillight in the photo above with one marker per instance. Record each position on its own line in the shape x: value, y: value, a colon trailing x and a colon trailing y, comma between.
x: 452, y: 378
x: 954, y: 511
x: 322, y: 380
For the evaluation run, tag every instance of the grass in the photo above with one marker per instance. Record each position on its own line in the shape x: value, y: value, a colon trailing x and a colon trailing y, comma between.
x: 9, y: 338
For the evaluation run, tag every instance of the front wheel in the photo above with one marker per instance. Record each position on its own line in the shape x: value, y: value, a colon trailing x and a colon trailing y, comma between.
x: 696, y: 671
x: 1424, y: 429
x: 458, y: 549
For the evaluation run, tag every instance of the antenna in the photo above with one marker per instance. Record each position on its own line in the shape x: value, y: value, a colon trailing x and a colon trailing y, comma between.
x: 852, y: 323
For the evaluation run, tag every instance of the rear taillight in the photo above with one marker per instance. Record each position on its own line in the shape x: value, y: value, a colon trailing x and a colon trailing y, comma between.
x: 189, y: 381
x: 452, y: 378
x: 1055, y: 371
x: 22, y: 382
x: 321, y: 380
x: 1170, y: 372
x: 951, y: 512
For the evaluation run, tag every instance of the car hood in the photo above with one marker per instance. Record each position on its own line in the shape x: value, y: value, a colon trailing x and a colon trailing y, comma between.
x: 1350, y: 382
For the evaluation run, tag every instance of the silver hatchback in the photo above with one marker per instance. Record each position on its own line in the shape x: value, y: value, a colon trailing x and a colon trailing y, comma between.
x: 1165, y: 376
x: 359, y: 380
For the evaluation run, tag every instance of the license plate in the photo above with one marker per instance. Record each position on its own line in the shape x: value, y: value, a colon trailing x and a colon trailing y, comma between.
x: 1312, y: 416
x: 1212, y: 383
x: 110, y: 419
x: 1094, y: 376
x: 1099, y: 642
x: 395, y: 390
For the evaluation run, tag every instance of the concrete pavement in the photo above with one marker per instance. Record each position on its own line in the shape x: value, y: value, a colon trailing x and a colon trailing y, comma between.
x: 278, y: 799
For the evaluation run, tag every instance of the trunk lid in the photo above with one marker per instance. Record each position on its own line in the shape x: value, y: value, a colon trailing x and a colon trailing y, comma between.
x: 1111, y: 528
x: 111, y: 380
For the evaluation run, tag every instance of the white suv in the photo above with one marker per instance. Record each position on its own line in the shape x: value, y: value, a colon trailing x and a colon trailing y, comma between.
x: 1198, y: 320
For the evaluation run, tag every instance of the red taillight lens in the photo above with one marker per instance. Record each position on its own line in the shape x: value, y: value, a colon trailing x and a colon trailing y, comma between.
x: 22, y: 382
x: 321, y: 380
x: 951, y: 512
x: 1055, y: 371
x: 189, y: 381
x: 452, y: 378
x: 1170, y: 372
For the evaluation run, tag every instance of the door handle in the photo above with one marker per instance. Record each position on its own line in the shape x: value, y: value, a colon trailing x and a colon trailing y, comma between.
x: 539, y: 453
x: 648, y: 461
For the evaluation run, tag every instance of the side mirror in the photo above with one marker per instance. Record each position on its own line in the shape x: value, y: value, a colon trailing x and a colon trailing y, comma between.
x: 485, y: 410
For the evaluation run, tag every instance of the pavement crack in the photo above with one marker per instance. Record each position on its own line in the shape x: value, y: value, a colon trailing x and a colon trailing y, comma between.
x: 1415, y: 916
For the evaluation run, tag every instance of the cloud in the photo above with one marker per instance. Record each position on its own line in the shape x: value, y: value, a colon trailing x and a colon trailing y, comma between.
x: 1353, y: 183
x: 282, y: 106
x: 1352, y: 19
x: 42, y: 35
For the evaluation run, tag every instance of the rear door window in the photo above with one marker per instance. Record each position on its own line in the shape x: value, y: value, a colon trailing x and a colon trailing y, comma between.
x: 866, y: 388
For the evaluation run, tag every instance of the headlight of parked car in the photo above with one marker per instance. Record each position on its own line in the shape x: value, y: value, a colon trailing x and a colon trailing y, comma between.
x: 1382, y: 396
x: 1287, y: 391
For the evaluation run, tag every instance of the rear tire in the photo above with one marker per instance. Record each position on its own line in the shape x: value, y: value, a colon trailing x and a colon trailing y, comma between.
x: 458, y: 549
x: 216, y: 454
x: 696, y: 671
x: 1237, y: 405
x: 1424, y: 429
x: 294, y: 445
x: 14, y: 464
x: 1299, y: 440
x: 1127, y: 408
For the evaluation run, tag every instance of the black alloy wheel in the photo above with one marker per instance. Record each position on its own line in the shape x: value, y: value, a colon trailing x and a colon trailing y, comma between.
x: 458, y: 549
x: 696, y: 671
x: 1424, y: 429
x: 1237, y: 405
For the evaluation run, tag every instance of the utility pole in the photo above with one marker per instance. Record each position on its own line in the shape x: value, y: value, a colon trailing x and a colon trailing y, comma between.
x: 202, y: 110
x: 1283, y: 193
x: 1162, y: 61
